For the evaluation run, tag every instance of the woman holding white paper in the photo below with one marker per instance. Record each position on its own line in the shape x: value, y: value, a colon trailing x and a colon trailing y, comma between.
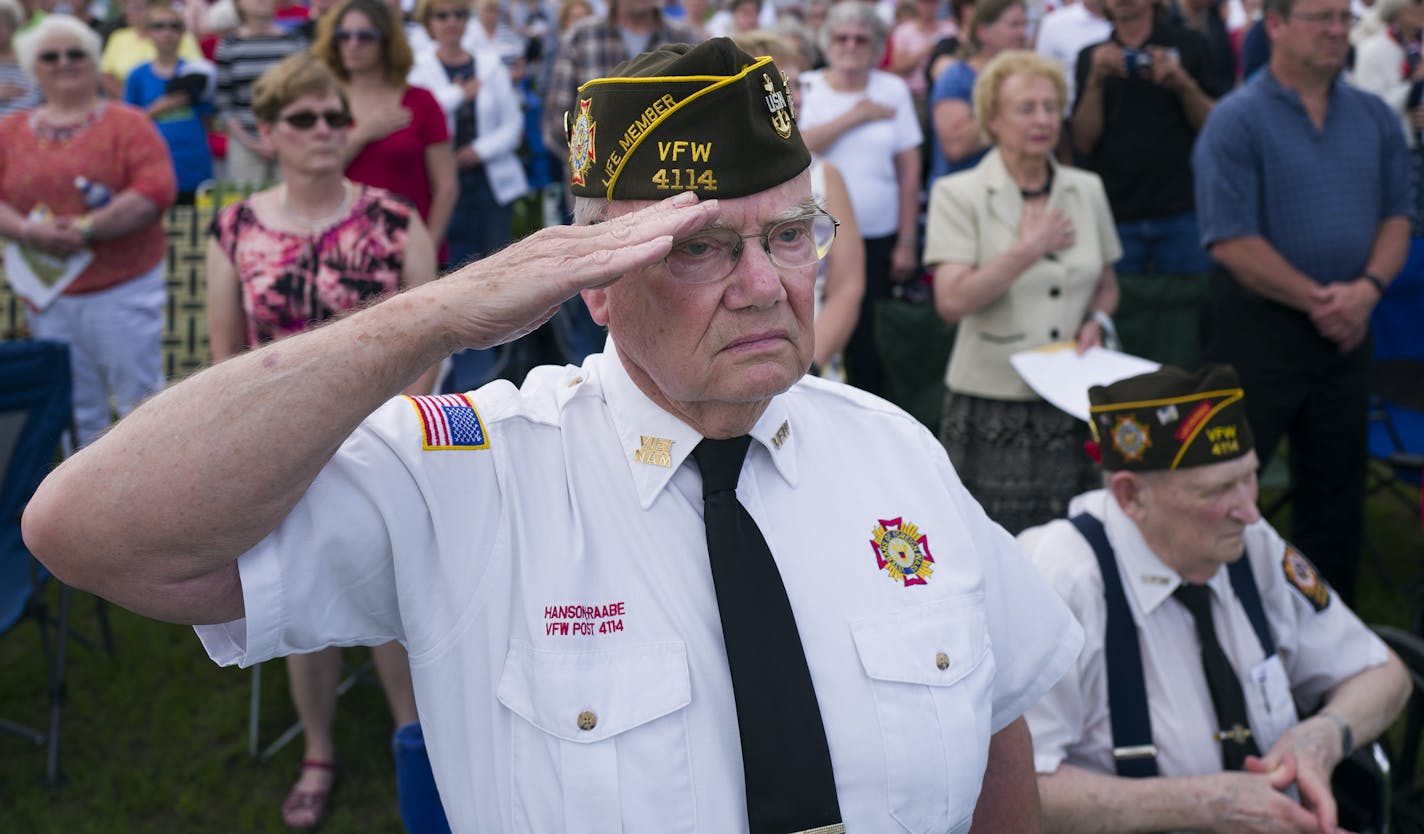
x: 1022, y: 250
x: 81, y: 172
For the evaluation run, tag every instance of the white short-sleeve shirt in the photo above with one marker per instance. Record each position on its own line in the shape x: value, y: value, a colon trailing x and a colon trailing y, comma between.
x: 563, y: 570
x: 1317, y: 648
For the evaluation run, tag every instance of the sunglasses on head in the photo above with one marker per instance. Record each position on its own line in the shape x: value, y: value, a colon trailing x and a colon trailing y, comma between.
x: 73, y: 56
x: 455, y: 14
x: 306, y: 119
x: 357, y: 35
x: 165, y: 26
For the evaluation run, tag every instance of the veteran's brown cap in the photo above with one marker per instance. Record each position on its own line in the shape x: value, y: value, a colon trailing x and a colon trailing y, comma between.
x: 1170, y: 419
x: 707, y: 118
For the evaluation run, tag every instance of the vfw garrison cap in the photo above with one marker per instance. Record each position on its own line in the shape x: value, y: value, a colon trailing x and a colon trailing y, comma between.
x: 707, y: 118
x: 1170, y: 419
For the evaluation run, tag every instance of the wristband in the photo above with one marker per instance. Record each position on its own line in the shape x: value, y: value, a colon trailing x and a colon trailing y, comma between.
x: 1105, y: 323
x: 1347, y: 738
x: 1379, y: 283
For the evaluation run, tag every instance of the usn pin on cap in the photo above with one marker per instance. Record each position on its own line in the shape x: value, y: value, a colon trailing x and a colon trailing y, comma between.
x: 707, y: 118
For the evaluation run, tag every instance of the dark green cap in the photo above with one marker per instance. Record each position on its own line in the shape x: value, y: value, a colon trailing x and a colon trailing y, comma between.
x: 1170, y: 419
x: 708, y: 118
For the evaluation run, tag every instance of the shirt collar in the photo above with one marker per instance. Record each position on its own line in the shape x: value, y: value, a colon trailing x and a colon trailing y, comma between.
x: 1276, y: 88
x: 655, y: 442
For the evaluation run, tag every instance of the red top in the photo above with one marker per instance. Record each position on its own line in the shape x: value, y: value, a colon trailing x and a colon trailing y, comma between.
x: 121, y: 149
x: 397, y: 162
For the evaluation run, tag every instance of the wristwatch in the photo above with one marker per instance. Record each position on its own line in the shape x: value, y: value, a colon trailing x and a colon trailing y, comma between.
x: 1347, y: 738
x: 85, y: 225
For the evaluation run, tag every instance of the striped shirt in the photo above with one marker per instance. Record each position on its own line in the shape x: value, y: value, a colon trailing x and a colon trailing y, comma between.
x: 241, y: 61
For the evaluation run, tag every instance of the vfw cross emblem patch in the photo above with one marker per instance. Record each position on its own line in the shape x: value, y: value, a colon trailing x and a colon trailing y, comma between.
x: 902, y: 551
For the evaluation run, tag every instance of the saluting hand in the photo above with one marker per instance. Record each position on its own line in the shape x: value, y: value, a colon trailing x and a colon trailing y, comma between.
x: 513, y: 292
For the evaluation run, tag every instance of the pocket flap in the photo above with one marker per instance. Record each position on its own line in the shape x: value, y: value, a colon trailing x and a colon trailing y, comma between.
x: 911, y: 645
x: 613, y: 690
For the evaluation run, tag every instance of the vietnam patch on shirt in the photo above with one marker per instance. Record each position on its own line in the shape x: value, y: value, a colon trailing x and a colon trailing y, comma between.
x: 449, y: 421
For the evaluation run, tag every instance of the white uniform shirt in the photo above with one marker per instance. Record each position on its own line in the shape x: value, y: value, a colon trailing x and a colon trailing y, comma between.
x: 552, y: 575
x: 1317, y: 650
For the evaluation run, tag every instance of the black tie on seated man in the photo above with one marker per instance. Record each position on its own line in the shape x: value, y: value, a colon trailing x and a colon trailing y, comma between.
x: 601, y: 574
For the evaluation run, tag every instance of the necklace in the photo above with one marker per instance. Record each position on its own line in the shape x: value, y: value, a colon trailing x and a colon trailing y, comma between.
x: 319, y: 224
x: 1031, y: 193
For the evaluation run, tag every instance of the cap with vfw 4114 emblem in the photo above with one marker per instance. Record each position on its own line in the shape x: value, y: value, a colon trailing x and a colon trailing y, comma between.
x: 707, y: 118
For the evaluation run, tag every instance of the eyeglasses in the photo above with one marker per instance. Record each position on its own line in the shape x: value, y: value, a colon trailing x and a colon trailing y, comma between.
x: 306, y: 119
x: 853, y: 40
x: 165, y: 26
x: 357, y: 35
x: 711, y: 255
x: 1345, y: 19
x: 455, y: 14
x: 73, y: 56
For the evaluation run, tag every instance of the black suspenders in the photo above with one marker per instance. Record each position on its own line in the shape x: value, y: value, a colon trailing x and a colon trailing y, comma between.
x: 1134, y: 754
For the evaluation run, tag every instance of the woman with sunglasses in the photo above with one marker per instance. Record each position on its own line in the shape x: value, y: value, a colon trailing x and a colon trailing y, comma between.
x: 177, y: 94
x: 863, y: 121
x: 256, y: 46
x: 82, y: 172
x: 401, y: 139
x: 283, y: 260
x: 488, y: 126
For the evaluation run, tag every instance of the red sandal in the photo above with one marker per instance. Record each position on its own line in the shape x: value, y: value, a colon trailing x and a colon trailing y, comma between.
x: 305, y: 810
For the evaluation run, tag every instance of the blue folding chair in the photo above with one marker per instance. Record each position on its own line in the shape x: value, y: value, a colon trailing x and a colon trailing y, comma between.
x: 35, y: 412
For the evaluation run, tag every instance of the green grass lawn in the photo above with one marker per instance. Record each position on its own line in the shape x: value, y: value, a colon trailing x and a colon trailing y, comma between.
x: 155, y: 738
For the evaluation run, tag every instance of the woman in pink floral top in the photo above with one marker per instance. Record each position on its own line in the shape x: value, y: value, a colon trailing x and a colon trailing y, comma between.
x: 290, y: 279
x: 283, y: 260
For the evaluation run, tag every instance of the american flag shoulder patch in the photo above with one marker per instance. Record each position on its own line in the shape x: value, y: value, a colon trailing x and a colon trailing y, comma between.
x: 449, y: 421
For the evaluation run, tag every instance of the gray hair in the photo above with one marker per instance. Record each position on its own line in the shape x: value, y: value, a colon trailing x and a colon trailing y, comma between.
x: 27, y: 44
x: 855, y: 12
x: 589, y: 210
x: 12, y: 10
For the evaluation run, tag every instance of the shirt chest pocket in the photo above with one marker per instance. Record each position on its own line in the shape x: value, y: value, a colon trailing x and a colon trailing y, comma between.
x: 599, y: 742
x: 932, y: 676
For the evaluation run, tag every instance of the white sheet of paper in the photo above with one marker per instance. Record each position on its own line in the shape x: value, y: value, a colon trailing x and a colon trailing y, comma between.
x: 1062, y: 376
x: 39, y: 278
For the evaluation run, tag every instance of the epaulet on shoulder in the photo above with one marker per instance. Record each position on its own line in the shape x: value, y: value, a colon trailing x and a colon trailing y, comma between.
x: 815, y: 388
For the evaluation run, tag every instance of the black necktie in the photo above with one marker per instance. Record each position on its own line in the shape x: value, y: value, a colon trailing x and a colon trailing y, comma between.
x: 785, y: 759
x: 1226, y: 695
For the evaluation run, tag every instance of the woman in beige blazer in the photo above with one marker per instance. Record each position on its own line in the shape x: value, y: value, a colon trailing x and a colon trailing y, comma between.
x: 1022, y: 250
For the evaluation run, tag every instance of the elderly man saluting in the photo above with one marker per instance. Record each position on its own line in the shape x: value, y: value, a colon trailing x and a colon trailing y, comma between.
x: 677, y: 589
x: 1204, y: 631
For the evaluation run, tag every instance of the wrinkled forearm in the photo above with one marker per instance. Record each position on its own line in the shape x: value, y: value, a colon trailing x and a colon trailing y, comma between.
x: 1078, y: 801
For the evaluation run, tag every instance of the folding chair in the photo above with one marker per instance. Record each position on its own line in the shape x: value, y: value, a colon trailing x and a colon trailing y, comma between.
x: 35, y: 412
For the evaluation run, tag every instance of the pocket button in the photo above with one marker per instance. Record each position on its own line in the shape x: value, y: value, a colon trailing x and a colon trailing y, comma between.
x: 587, y: 720
x: 942, y: 661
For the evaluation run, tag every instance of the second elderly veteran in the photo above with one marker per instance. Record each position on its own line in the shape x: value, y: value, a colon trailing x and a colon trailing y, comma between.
x: 1233, y: 628
x: 600, y: 636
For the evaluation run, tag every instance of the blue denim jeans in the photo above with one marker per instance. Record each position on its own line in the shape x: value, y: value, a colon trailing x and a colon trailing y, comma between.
x: 1166, y: 245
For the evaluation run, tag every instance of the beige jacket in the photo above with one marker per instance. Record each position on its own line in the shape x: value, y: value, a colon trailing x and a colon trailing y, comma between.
x: 973, y: 218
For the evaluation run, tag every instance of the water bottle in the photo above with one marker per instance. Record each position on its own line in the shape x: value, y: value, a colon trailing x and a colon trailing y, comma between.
x: 96, y: 194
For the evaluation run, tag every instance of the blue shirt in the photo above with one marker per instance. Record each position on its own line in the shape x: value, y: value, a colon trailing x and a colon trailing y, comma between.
x: 1317, y: 196
x: 182, y: 128
x: 956, y: 82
